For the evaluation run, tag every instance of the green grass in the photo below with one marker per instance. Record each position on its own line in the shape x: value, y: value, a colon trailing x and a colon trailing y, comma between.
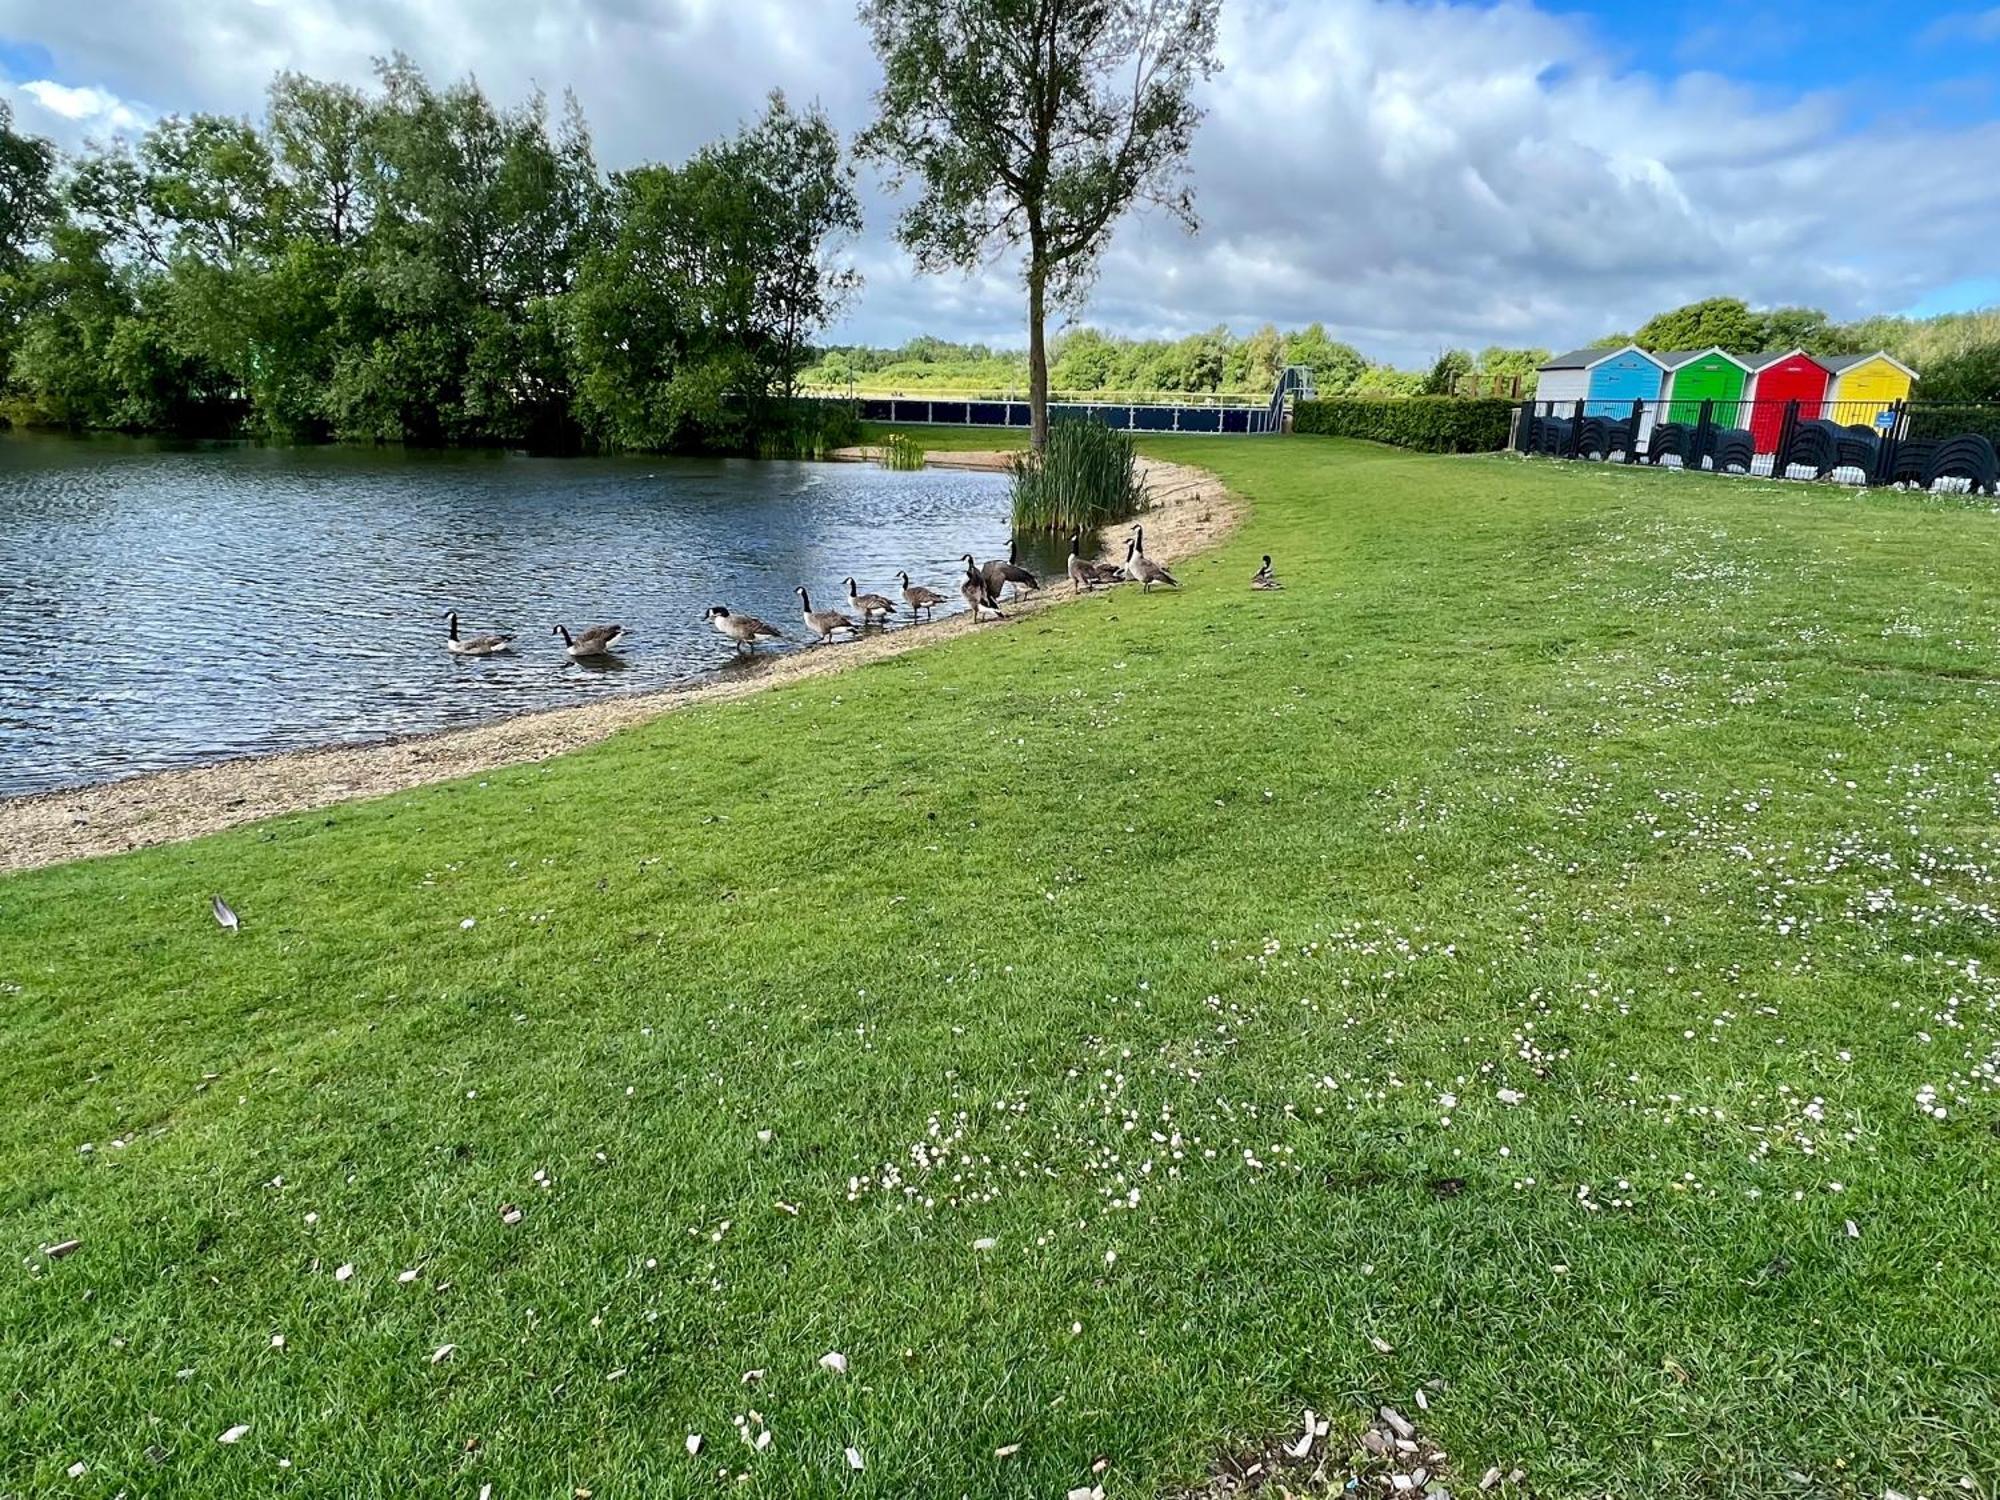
x: 948, y: 439
x: 1145, y: 938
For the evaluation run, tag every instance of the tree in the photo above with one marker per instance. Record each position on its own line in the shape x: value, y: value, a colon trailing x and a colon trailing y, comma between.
x: 27, y: 196
x: 1450, y: 367
x: 1969, y: 375
x: 1720, y: 322
x: 1036, y: 124
x: 1335, y: 366
x: 1806, y: 328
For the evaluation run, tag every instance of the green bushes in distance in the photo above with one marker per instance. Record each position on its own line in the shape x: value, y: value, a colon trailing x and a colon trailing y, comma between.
x: 1428, y: 424
x: 1087, y: 478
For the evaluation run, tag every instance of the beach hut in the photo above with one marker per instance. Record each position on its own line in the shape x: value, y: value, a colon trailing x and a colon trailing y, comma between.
x: 1775, y: 380
x: 1698, y: 375
x: 1609, y: 380
x: 1865, y: 386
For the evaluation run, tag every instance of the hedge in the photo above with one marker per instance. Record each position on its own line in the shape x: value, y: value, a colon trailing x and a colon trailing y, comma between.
x: 1431, y: 424
x: 1927, y: 421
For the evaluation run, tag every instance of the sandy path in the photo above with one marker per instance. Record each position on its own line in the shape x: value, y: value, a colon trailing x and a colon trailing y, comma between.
x: 1190, y: 512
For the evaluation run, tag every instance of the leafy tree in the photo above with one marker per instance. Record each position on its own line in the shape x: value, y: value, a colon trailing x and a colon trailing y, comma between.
x: 1969, y: 375
x: 27, y: 191
x: 319, y: 135
x: 1720, y: 322
x: 1335, y: 366
x: 1036, y: 124
x: 1806, y: 328
x: 1450, y: 367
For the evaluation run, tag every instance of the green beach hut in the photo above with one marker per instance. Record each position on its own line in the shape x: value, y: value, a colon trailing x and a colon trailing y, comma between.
x: 1698, y: 375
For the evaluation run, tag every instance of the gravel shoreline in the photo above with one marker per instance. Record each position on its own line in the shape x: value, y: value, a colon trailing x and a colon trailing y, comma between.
x: 1190, y: 512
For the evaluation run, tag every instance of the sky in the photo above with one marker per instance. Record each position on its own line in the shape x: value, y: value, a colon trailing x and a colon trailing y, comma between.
x: 1414, y: 174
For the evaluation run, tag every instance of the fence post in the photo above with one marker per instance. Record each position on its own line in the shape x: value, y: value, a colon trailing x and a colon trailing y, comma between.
x: 1787, y: 429
x: 1575, y: 432
x: 1886, y: 451
x: 1632, y: 436
x: 1704, y: 435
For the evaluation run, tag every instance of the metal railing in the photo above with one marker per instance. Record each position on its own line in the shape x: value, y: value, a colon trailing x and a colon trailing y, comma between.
x: 1861, y: 442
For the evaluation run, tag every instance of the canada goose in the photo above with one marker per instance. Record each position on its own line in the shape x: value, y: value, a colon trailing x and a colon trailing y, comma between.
x: 920, y: 598
x: 1142, y: 570
x: 745, y: 630
x: 1265, y: 578
x: 474, y: 645
x: 1081, y: 574
x: 823, y: 622
x: 870, y: 605
x: 999, y: 574
x: 976, y: 592
x: 596, y: 641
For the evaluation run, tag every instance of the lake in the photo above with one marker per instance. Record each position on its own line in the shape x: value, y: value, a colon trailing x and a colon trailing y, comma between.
x: 166, y: 605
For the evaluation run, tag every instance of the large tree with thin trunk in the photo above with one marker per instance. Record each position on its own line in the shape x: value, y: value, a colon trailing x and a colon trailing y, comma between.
x: 1036, y: 124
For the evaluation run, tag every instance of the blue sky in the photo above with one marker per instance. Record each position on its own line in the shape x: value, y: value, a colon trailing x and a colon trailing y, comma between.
x: 1412, y: 173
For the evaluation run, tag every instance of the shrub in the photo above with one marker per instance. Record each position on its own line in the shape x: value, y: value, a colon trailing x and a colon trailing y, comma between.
x: 807, y: 428
x: 1088, y: 477
x: 1430, y: 424
x: 1927, y: 421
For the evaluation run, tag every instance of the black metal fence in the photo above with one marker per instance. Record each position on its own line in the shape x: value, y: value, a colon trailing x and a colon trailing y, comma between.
x: 1857, y: 442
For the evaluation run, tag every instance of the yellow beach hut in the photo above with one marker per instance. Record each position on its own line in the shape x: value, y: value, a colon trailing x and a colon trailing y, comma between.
x: 1865, y: 385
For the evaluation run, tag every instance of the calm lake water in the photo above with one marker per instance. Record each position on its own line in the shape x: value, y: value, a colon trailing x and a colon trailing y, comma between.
x: 168, y: 605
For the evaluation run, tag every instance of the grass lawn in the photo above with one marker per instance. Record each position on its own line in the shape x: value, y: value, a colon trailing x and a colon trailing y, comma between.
x: 949, y: 439
x: 1548, y: 949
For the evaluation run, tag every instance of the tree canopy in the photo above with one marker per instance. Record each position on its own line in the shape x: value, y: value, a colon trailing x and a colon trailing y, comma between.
x: 1036, y: 124
x: 419, y: 263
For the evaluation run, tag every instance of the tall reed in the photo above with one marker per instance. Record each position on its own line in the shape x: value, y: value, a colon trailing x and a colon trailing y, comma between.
x: 1087, y: 478
x: 901, y: 451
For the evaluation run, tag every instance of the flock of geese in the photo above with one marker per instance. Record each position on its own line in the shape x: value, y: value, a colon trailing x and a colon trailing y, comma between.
x: 983, y: 587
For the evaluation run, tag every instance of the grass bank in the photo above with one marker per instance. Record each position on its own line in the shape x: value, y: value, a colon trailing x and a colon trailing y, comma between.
x: 1544, y: 951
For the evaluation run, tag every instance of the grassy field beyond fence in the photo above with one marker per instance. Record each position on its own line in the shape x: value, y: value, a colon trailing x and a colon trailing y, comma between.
x: 1544, y: 956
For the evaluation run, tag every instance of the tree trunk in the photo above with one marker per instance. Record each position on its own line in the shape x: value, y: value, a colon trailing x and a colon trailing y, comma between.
x: 1038, y: 361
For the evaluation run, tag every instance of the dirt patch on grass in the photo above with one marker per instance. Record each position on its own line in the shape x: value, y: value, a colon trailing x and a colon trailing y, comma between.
x: 1190, y: 512
x: 1391, y: 1458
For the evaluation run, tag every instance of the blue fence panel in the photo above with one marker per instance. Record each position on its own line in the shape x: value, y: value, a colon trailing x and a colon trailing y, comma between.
x: 878, y: 411
x: 1152, y: 419
x: 989, y: 414
x: 1200, y: 419
x: 958, y: 413
x: 1236, y: 419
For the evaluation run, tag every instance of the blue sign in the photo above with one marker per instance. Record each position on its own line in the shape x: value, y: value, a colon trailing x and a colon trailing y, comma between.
x: 1885, y: 419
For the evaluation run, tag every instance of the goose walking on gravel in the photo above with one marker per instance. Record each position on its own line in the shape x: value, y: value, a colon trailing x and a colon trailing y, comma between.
x: 594, y: 642
x: 1264, y: 578
x: 976, y: 592
x: 745, y: 630
x: 1082, y: 575
x: 474, y: 645
x: 920, y: 599
x: 868, y: 605
x: 999, y: 574
x: 822, y: 622
x: 1142, y: 570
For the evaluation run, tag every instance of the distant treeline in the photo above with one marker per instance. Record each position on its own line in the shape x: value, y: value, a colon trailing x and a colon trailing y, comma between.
x: 1958, y: 355
x: 416, y: 263
x: 1084, y: 361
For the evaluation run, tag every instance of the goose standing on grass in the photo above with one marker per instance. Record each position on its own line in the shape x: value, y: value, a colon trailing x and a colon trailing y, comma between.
x: 1141, y: 569
x: 976, y: 592
x: 1264, y: 577
x: 474, y: 645
x: 594, y: 642
x: 919, y: 598
x: 822, y: 622
x: 999, y: 574
x: 745, y: 630
x: 869, y: 605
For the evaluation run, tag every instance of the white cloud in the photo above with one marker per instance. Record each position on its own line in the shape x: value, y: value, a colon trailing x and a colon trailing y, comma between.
x: 84, y: 106
x: 1412, y: 173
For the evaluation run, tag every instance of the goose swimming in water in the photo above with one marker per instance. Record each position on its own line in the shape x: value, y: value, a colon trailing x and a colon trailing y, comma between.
x: 596, y: 641
x: 474, y: 645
